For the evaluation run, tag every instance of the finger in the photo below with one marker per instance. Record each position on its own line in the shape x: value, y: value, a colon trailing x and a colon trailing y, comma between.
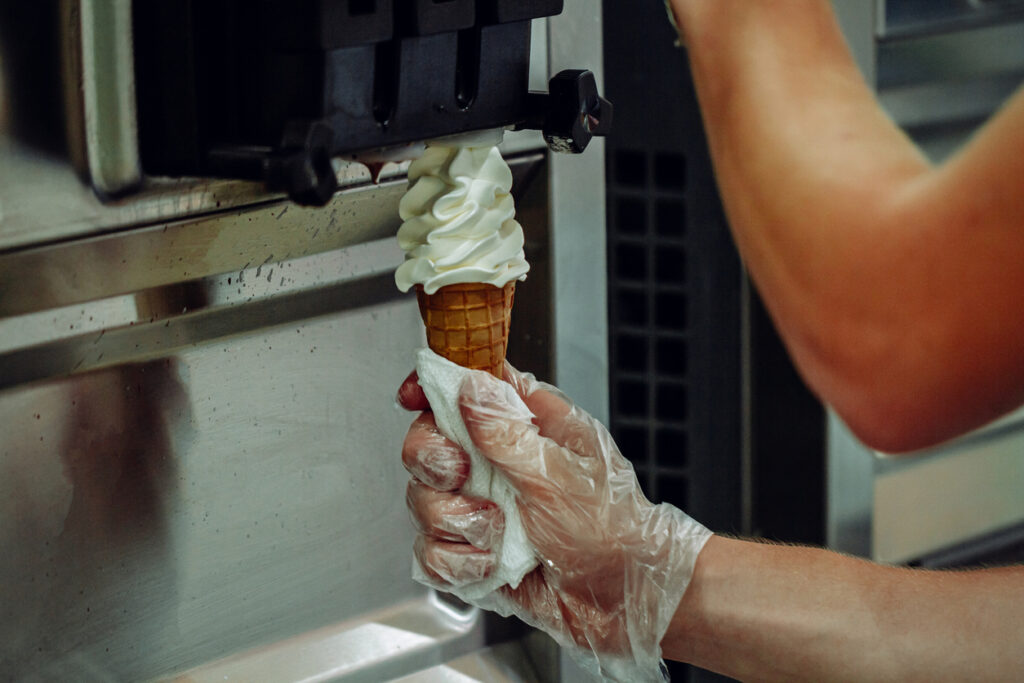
x: 454, y: 517
x: 522, y: 382
x: 410, y: 394
x: 457, y: 564
x: 549, y: 608
x: 504, y: 432
x: 567, y: 425
x: 558, y: 418
x: 432, y: 458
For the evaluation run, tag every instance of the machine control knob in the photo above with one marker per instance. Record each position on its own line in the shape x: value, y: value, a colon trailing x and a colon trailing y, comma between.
x: 574, y: 112
x: 302, y: 166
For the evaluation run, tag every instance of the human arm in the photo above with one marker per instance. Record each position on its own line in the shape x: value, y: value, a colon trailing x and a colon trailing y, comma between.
x: 754, y: 611
x: 761, y: 612
x: 896, y: 285
x: 612, y: 565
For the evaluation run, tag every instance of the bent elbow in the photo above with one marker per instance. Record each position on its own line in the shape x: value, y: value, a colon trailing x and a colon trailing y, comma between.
x: 886, y: 435
x: 900, y: 424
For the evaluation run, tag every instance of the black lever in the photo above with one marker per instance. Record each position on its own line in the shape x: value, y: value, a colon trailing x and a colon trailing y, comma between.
x: 572, y: 113
x: 301, y: 166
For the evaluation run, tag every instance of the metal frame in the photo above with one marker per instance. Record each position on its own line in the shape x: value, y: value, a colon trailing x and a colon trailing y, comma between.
x: 99, y: 83
x: 580, y: 314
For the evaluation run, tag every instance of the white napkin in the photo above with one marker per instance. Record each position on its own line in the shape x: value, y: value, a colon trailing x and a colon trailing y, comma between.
x: 441, y: 381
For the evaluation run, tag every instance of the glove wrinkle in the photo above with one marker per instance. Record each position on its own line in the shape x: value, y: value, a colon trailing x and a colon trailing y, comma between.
x: 611, y: 567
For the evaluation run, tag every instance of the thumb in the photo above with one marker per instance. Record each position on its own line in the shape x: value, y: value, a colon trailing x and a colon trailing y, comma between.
x: 502, y: 428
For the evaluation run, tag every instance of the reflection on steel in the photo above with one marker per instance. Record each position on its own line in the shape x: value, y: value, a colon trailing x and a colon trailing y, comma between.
x: 165, y: 253
x: 43, y: 199
x: 90, y: 514
x: 506, y: 663
x: 38, y: 279
x: 178, y: 510
x: 392, y: 643
x: 199, y: 452
x: 99, y: 92
x: 578, y: 231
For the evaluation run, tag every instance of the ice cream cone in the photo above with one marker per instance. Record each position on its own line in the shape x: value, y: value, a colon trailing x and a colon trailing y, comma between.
x: 468, y: 323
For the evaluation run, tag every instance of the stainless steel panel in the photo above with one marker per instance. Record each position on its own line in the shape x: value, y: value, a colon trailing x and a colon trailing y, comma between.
x: 849, y: 472
x: 948, y: 501
x: 42, y: 200
x: 99, y: 82
x: 205, y: 460
x: 198, y: 455
x: 174, y: 511
x: 501, y: 664
x: 901, y: 19
x: 939, y: 88
x: 966, y: 490
x: 578, y: 229
x: 397, y: 642
x: 64, y: 274
x: 408, y: 645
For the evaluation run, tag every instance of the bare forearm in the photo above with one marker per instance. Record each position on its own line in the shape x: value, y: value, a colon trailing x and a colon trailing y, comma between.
x: 859, y: 247
x: 765, y: 612
x: 797, y: 137
x: 806, y: 161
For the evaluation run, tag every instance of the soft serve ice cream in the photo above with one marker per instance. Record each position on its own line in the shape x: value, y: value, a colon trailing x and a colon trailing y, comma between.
x: 459, y: 219
x: 463, y: 255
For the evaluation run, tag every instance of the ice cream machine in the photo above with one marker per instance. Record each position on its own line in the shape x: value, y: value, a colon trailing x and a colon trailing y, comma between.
x: 272, y: 90
x: 201, y: 336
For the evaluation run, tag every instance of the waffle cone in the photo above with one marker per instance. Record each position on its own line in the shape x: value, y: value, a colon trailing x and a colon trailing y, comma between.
x: 468, y: 323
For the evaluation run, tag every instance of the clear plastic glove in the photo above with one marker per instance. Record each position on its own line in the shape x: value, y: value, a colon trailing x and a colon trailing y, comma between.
x: 613, y: 566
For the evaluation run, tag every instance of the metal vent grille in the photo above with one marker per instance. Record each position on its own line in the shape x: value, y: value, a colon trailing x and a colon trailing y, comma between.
x: 649, y: 318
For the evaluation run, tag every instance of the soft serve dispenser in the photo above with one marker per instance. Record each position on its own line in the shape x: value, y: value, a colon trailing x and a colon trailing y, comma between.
x: 272, y: 90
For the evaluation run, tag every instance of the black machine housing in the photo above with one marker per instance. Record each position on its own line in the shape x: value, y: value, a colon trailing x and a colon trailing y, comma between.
x: 272, y: 89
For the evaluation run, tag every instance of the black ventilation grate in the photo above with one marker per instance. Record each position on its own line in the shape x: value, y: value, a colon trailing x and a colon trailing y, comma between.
x: 650, y: 316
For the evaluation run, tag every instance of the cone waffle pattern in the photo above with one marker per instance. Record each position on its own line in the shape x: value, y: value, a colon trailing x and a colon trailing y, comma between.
x: 468, y: 324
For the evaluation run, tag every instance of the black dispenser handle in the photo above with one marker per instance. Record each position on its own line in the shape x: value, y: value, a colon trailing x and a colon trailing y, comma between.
x: 572, y: 113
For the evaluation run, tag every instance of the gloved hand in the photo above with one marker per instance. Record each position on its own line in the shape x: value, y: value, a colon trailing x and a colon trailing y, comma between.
x: 613, y: 566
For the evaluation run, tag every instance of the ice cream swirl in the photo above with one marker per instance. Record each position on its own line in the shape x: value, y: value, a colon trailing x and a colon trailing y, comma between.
x: 459, y: 221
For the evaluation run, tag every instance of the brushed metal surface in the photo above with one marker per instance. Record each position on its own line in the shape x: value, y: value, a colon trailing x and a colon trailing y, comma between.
x: 950, y: 496
x: 578, y: 230
x: 198, y: 450
x: 37, y: 279
x: 402, y: 640
x: 99, y: 84
x: 199, y: 453
x: 255, y: 237
x: 43, y: 200
x: 173, y: 511
x: 579, y: 270
x: 502, y: 664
